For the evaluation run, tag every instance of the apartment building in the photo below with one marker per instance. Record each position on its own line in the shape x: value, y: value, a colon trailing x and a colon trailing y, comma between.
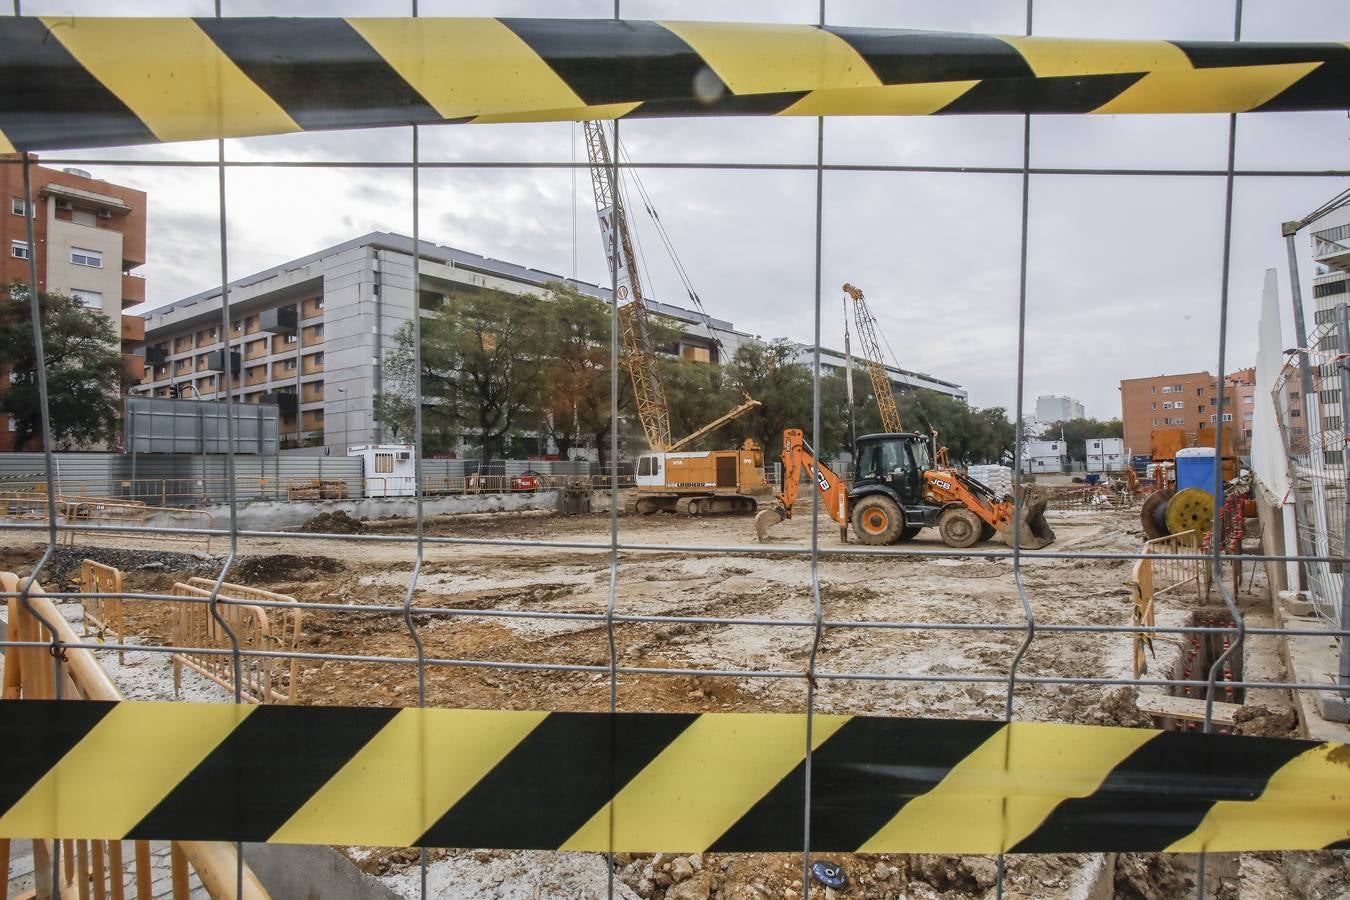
x: 89, y: 237
x: 311, y: 334
x: 832, y: 361
x: 1189, y: 401
x: 1051, y: 408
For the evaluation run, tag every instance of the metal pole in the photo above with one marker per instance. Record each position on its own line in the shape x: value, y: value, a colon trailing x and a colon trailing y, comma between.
x: 1343, y: 346
x: 848, y: 381
x: 1290, y: 230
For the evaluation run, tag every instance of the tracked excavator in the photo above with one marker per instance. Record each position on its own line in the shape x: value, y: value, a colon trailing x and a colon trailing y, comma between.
x: 897, y: 493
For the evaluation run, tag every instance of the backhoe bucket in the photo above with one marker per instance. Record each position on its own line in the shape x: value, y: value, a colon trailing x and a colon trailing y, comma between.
x: 766, y: 519
x: 1036, y: 531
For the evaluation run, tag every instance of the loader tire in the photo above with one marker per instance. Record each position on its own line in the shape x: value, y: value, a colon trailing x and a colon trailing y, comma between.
x: 959, y: 528
x: 877, y: 520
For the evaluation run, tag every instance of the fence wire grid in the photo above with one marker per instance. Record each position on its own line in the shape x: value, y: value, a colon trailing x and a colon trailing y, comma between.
x: 807, y: 643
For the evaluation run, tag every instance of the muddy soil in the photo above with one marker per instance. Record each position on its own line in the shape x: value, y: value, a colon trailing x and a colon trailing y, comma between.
x: 930, y: 635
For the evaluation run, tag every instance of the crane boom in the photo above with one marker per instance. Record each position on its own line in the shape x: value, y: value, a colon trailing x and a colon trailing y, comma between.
x: 638, y: 358
x: 871, y: 348
x: 717, y: 423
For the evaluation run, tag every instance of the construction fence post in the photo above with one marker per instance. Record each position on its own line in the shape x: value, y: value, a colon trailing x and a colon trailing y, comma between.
x: 1343, y: 369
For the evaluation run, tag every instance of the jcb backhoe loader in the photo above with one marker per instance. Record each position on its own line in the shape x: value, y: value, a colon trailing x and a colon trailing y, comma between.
x: 897, y: 493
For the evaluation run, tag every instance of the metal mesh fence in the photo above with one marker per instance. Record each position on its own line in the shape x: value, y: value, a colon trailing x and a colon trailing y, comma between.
x: 615, y: 615
x: 1312, y: 425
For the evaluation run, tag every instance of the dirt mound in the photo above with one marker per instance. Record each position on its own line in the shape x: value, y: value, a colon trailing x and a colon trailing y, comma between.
x: 282, y: 567
x: 1150, y: 876
x: 1263, y: 721
x: 335, y: 522
x: 64, y: 566
x: 1119, y: 707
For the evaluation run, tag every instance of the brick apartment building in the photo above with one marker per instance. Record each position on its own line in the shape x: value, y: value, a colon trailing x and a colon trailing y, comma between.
x: 1188, y: 401
x: 90, y: 235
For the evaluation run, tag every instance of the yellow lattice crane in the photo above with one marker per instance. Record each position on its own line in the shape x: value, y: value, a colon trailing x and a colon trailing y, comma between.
x: 668, y: 478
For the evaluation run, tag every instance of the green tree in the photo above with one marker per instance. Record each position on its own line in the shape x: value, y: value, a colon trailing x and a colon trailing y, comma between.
x: 772, y: 375
x: 575, y: 390
x: 86, y: 374
x: 482, y: 362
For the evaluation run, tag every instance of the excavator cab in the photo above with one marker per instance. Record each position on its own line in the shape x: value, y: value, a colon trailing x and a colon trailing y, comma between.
x: 894, y: 462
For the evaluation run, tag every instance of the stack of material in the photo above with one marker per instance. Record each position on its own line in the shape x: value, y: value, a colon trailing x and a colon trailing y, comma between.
x: 997, y: 478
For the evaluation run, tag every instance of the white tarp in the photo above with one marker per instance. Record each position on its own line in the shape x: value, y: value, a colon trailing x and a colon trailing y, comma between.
x: 1270, y: 463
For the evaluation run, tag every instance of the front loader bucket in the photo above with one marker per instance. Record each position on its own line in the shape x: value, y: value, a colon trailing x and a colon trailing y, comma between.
x: 766, y: 519
x: 1036, y: 531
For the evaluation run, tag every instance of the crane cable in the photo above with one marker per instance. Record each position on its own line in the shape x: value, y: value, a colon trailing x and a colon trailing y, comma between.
x: 680, y: 270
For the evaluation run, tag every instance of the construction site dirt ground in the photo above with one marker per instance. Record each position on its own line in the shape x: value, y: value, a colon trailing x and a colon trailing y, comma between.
x: 458, y: 583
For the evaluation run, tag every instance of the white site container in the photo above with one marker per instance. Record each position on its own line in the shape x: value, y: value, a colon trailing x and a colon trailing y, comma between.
x: 389, y: 469
x: 1106, y: 455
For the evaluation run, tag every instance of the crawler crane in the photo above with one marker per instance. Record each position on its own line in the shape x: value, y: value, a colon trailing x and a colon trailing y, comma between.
x: 669, y: 478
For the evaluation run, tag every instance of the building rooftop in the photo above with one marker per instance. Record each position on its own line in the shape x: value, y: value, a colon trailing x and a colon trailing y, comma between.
x: 450, y: 256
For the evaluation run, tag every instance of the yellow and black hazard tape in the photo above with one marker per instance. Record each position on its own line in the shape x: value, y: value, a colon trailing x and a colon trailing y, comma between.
x: 90, y: 82
x: 654, y: 781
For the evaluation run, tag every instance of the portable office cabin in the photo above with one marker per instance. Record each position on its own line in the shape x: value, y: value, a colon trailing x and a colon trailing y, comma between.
x: 389, y: 469
x: 1045, y: 457
x: 1106, y: 455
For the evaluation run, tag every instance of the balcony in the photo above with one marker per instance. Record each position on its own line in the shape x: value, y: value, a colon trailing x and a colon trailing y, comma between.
x: 133, y: 290
x: 1331, y: 247
x: 133, y: 329
x: 313, y: 364
x: 134, y: 364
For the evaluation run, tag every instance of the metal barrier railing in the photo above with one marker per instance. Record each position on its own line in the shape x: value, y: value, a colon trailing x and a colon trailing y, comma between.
x: 261, y: 678
x: 1168, y: 574
x: 32, y: 673
x: 88, y: 514
x: 1093, y: 496
x: 1159, y: 572
x: 104, y: 613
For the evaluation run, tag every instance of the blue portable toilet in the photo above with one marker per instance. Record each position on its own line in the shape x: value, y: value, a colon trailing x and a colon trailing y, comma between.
x: 1195, y: 469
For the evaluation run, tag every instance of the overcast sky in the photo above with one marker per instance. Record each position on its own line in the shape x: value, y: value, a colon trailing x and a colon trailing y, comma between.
x: 1124, y: 274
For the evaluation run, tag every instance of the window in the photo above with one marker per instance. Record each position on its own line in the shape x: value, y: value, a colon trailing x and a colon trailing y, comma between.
x: 1176, y: 389
x: 1155, y: 423
x: 1248, y: 401
x: 318, y: 303
x: 91, y: 258
x: 1213, y: 417
x: 290, y: 365
x: 1155, y: 406
x: 18, y: 249
x: 17, y: 205
x: 1228, y: 417
x: 1200, y: 407
x: 1199, y: 392
x: 384, y: 463
x: 291, y: 339
x: 1167, y: 389
x: 1204, y: 424
x: 1180, y: 404
x: 1167, y: 404
x: 92, y: 299
x: 318, y: 331
x: 1153, y: 390
x: 1293, y: 414
x: 317, y: 359
x: 1293, y: 395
